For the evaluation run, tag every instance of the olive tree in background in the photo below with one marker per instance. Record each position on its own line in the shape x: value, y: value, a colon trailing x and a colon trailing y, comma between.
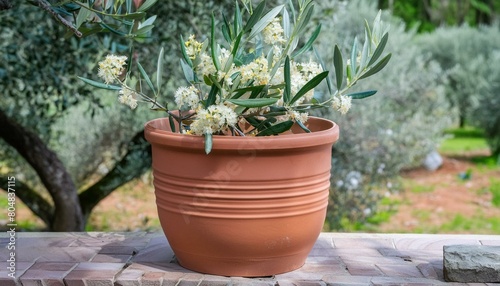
x: 55, y: 131
x: 468, y: 57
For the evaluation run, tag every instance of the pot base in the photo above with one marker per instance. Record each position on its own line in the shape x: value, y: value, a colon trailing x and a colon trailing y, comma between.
x: 224, y: 266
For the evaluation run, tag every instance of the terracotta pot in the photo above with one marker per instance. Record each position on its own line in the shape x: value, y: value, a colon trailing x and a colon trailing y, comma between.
x: 252, y: 207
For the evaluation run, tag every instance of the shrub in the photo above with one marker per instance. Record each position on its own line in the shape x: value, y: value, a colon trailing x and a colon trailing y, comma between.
x: 392, y: 130
x: 468, y: 55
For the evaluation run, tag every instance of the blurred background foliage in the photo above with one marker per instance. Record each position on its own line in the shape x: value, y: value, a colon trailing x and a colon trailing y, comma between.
x: 444, y: 73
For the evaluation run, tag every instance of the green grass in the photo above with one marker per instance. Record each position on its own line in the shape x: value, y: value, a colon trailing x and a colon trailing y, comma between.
x: 495, y: 191
x: 475, y: 224
x: 463, y: 140
x: 420, y: 189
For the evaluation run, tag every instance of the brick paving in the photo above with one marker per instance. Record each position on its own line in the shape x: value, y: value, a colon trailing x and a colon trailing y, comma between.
x: 145, y: 259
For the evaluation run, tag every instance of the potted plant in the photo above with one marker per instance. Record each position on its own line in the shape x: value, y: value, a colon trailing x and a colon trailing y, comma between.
x: 241, y: 171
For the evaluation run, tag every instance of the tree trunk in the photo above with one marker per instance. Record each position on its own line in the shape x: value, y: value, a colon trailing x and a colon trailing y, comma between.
x: 51, y: 171
x: 136, y: 162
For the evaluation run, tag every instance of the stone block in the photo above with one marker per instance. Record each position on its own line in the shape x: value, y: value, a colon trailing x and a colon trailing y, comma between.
x: 471, y: 263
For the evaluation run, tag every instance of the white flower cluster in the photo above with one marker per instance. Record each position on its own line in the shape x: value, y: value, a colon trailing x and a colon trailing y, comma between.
x: 296, y: 116
x: 128, y: 97
x: 256, y: 71
x: 214, y: 119
x: 300, y: 74
x: 193, y: 47
x: 273, y: 33
x: 187, y: 97
x: 342, y: 103
x: 111, y: 67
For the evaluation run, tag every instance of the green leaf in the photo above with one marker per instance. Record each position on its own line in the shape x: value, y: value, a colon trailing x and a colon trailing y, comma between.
x: 301, y: 125
x: 323, y: 66
x: 212, y: 95
x: 257, y: 13
x: 100, y: 84
x: 130, y: 16
x: 237, y: 21
x: 276, y: 129
x: 226, y: 33
x: 305, y: 18
x: 236, y: 44
x: 309, y: 85
x: 159, y: 71
x: 226, y: 29
x: 307, y: 46
x: 171, y: 121
x: 288, y: 82
x: 354, y: 55
x: 253, y: 102
x: 146, y: 5
x: 379, y: 50
x: 187, y: 70
x: 184, y: 52
x: 339, y: 66
x: 82, y: 16
x: 378, y: 67
x: 146, y: 77
x: 112, y: 30
x: 265, y: 20
x: 362, y: 94
x: 148, y: 21
x: 364, y: 53
x: 144, y: 30
x: 208, y: 143
x: 213, y: 43
x: 287, y: 29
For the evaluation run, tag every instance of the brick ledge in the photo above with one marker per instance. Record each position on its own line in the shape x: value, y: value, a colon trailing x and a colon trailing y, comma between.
x: 140, y: 258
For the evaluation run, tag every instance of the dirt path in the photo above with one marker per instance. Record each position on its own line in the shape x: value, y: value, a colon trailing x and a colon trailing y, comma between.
x: 434, y: 200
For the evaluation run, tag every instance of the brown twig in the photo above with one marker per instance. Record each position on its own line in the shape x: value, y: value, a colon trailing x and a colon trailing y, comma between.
x: 47, y: 7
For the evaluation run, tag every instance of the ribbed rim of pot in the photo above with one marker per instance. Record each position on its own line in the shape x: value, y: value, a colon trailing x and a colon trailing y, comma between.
x: 323, y: 131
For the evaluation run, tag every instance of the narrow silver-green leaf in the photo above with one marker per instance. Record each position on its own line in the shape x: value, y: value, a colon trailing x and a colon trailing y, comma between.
x: 309, y: 86
x: 253, y: 102
x: 288, y: 82
x: 265, y: 20
x: 130, y: 16
x: 301, y: 125
x: 339, y: 66
x: 354, y: 55
x: 159, y: 71
x: 112, y: 30
x: 208, y: 143
x: 184, y: 52
x: 257, y: 13
x: 144, y: 30
x: 378, y: 67
x: 171, y: 121
x: 323, y: 66
x: 82, y: 16
x: 146, y: 5
x: 362, y: 94
x: 379, y: 50
x: 146, y: 77
x: 237, y: 21
x: 276, y: 129
x: 307, y: 46
x: 213, y: 47
x: 287, y: 29
x: 364, y: 53
x: 100, y: 84
x: 187, y: 70
x: 148, y: 21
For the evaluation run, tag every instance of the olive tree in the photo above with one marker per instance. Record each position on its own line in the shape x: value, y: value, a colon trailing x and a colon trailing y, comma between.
x: 49, y: 117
